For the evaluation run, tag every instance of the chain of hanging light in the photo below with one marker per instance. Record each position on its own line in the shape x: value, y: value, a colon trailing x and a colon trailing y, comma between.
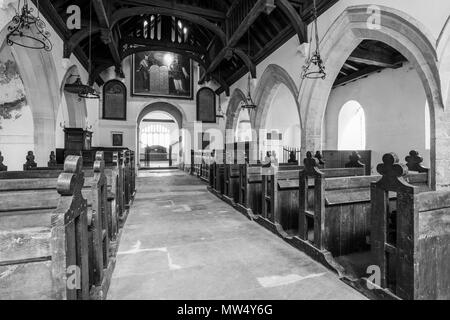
x: 248, y: 103
x: 314, y: 67
x: 88, y: 91
x: 27, y: 30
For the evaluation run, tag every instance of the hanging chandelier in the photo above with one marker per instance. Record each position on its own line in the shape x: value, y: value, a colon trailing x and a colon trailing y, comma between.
x: 220, y: 114
x: 314, y: 67
x: 248, y: 103
x: 27, y: 30
x: 82, y: 90
x: 88, y: 91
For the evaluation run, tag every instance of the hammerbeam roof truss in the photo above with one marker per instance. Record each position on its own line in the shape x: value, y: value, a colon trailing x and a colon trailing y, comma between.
x: 228, y: 38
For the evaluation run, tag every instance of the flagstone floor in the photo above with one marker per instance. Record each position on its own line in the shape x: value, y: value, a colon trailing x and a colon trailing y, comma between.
x: 181, y: 242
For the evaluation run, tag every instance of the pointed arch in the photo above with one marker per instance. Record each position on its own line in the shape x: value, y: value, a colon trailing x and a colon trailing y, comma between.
x: 268, y: 85
x: 399, y: 31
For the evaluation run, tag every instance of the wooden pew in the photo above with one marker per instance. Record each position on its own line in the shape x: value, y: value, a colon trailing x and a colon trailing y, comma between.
x: 334, y: 211
x: 279, y: 197
x: 250, y: 180
x: 115, y: 176
x: 412, y: 250
x: 231, y: 184
x: 218, y: 186
x: 100, y: 218
x: 340, y: 159
x: 44, y: 237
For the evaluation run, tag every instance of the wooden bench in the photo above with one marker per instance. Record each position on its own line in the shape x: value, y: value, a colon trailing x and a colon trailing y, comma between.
x: 44, y: 237
x: 335, y: 211
x: 100, y: 216
x: 250, y: 180
x: 231, y: 183
x: 412, y: 250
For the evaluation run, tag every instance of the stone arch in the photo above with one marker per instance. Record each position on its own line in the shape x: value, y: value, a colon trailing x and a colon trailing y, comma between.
x: 175, y: 111
x: 39, y: 75
x: 74, y: 110
x: 233, y: 109
x: 401, y: 32
x: 268, y: 85
x: 443, y: 44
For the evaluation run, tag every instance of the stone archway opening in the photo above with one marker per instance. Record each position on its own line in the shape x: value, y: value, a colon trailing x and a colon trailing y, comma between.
x: 159, y: 136
x: 402, y: 33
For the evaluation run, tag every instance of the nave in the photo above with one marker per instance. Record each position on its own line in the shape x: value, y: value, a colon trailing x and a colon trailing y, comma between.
x: 181, y: 242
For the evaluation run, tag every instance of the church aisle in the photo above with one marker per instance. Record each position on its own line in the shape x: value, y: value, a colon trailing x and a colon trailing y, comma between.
x: 181, y: 242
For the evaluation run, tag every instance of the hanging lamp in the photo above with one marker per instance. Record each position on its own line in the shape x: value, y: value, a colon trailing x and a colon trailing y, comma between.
x: 314, y: 67
x: 248, y: 103
x: 82, y: 90
x: 27, y: 30
x: 220, y: 114
x: 89, y: 91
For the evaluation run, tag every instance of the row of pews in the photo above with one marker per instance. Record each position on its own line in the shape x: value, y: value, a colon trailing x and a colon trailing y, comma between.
x: 59, y: 228
x: 387, y: 235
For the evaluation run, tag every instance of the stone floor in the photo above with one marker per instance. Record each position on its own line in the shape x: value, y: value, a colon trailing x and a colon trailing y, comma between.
x: 181, y: 242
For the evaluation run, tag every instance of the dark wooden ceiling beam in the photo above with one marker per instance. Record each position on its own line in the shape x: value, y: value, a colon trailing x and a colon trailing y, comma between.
x: 206, y: 13
x: 137, y: 11
x: 260, y: 7
x: 107, y: 33
x: 371, y: 57
x: 295, y: 19
x: 129, y: 41
x: 356, y: 75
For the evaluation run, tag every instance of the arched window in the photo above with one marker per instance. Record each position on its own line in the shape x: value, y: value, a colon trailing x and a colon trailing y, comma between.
x: 352, y: 127
x: 155, y: 135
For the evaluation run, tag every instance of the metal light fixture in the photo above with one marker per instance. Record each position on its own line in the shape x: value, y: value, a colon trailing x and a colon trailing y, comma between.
x: 82, y: 90
x: 248, y: 103
x: 88, y: 91
x: 220, y: 114
x: 314, y: 67
x: 27, y: 30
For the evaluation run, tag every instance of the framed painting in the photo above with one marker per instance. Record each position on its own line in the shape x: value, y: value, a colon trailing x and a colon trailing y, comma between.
x: 114, y: 101
x: 162, y: 74
x: 206, y: 105
x: 117, y: 139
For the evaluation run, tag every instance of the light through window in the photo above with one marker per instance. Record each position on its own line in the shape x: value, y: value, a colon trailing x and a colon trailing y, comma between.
x: 155, y: 135
x: 352, y: 127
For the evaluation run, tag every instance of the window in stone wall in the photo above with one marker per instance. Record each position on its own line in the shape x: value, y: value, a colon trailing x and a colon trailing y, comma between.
x: 352, y: 127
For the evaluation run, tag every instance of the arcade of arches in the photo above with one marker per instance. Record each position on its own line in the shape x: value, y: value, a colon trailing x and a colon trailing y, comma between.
x: 386, y: 90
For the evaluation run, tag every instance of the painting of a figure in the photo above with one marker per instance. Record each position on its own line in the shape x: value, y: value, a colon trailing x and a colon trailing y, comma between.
x: 162, y: 74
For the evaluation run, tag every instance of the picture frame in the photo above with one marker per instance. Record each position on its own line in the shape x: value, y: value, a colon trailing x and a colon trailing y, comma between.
x: 206, y: 105
x: 114, y: 101
x: 117, y: 139
x: 162, y: 74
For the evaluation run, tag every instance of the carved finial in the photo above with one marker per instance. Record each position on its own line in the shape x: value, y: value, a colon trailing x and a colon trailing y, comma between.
x: 115, y: 158
x: 414, y: 162
x: 72, y: 179
x: 391, y: 167
x: 99, y: 164
x: 355, y: 161
x: 30, y: 164
x: 52, y: 162
x: 310, y: 163
x: 319, y: 158
x: 2, y: 166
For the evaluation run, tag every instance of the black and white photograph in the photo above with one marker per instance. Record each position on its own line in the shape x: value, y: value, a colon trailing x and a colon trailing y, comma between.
x: 224, y: 159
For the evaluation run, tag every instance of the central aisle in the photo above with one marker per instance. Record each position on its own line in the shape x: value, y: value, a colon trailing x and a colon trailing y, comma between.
x: 181, y: 242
